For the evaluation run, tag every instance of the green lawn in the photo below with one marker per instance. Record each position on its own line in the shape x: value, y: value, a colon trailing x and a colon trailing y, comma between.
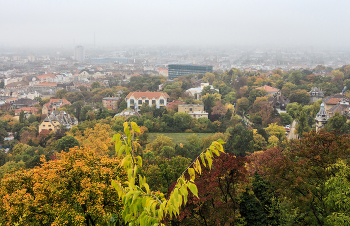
x: 177, y: 137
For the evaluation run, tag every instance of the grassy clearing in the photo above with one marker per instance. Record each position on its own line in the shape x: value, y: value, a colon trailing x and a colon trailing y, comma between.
x: 177, y: 137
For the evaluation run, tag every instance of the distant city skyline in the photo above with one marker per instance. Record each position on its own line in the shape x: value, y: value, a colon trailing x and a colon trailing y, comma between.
x: 40, y: 23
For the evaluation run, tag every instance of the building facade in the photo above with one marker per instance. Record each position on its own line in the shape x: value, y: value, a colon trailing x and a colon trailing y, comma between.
x: 177, y: 70
x: 316, y: 94
x: 111, y: 103
x: 135, y: 100
x: 196, y: 111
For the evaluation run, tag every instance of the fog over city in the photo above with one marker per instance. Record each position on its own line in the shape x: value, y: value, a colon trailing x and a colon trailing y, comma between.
x: 66, y: 23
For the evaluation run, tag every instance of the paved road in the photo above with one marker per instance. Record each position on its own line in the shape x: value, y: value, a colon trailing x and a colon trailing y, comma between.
x: 292, y: 131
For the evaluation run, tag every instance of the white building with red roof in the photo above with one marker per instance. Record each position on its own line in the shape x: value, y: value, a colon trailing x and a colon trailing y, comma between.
x: 135, y: 100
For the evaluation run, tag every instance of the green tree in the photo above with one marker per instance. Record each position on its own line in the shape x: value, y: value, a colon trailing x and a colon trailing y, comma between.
x: 243, y: 104
x: 65, y: 143
x: 303, y: 126
x: 122, y: 106
x: 338, y: 187
x: 21, y: 117
x: 61, y: 93
x: 300, y: 96
x: 256, y: 93
x: 337, y: 122
x: 208, y: 101
x: 292, y: 109
x: 286, y: 119
x: 84, y: 111
x: 240, y: 141
x: 208, y: 90
x: 95, y: 85
x: 230, y: 97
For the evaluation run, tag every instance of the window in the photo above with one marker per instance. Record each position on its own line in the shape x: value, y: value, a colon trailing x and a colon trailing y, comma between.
x: 147, y: 101
x: 49, y: 125
x: 131, y: 101
x: 43, y: 125
x: 153, y: 102
x: 161, y: 101
x: 190, y: 109
x: 140, y: 102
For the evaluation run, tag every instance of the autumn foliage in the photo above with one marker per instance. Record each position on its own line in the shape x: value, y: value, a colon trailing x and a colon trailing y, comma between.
x: 218, y: 191
x: 73, y: 190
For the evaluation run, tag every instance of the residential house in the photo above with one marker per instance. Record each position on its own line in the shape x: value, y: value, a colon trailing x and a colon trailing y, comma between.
x: 342, y: 107
x: 197, y: 91
x: 56, y: 119
x: 270, y: 90
x: 187, y: 108
x: 279, y: 101
x: 196, y: 111
x: 53, y: 105
x: 332, y: 101
x: 135, y: 100
x: 316, y: 94
x: 111, y: 103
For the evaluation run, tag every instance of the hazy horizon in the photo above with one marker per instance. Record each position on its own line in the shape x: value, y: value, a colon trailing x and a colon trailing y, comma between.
x: 40, y: 23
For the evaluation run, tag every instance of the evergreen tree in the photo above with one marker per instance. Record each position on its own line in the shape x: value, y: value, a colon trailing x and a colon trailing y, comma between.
x: 21, y: 117
x: 303, y: 125
x: 240, y: 141
x: 251, y: 209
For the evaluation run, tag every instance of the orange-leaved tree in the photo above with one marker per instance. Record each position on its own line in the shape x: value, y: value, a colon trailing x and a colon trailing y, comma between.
x: 75, y: 189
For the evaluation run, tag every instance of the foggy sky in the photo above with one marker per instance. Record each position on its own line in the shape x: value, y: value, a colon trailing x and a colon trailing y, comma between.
x: 174, y: 22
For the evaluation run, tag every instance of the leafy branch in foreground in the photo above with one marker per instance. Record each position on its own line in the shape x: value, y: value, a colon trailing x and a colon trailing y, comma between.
x: 141, y: 205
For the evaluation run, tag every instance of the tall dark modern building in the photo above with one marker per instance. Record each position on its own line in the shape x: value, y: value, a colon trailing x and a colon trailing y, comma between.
x: 177, y: 70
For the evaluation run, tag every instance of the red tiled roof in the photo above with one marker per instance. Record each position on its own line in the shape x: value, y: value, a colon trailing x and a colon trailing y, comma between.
x: 333, y: 101
x: 47, y: 84
x: 133, y: 75
x: 149, y: 95
x: 44, y: 76
x: 268, y: 88
x: 64, y: 101
x: 27, y: 109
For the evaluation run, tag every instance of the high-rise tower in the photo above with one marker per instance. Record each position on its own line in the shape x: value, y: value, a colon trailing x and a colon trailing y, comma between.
x: 79, y: 54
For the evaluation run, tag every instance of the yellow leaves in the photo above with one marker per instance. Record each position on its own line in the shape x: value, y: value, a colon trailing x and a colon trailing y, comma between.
x: 191, y: 173
x: 197, y: 166
x: 95, y: 138
x: 60, y: 187
x: 146, y: 207
x: 193, y: 189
